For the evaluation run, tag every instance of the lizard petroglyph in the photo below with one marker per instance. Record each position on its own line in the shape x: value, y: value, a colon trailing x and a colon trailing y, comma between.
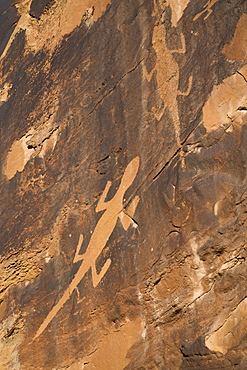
x: 101, y: 234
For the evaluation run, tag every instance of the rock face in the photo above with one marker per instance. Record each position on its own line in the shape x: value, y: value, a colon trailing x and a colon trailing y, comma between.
x: 123, y: 184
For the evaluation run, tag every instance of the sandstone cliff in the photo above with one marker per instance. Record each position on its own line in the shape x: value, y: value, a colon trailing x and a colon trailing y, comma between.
x: 123, y: 132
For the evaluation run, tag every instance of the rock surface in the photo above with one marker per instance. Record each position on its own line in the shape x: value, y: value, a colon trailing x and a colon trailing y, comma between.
x: 123, y: 133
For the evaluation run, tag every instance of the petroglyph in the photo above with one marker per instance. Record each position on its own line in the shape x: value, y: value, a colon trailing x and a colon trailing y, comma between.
x: 187, y: 92
x: 100, y: 236
x: 207, y: 10
x: 167, y: 75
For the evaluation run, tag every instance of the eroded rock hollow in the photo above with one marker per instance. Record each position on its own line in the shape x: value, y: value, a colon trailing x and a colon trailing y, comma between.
x: 123, y: 132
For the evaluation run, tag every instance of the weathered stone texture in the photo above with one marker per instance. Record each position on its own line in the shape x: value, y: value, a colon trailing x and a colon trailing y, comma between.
x: 123, y: 134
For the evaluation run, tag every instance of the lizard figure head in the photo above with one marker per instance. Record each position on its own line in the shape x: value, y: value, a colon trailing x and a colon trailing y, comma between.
x: 130, y: 173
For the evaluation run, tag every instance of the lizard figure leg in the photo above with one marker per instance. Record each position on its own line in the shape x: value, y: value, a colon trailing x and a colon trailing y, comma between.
x: 102, y: 203
x: 78, y: 257
x: 97, y: 277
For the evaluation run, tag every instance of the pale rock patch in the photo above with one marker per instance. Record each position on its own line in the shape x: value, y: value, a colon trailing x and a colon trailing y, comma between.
x: 231, y: 332
x: 59, y: 20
